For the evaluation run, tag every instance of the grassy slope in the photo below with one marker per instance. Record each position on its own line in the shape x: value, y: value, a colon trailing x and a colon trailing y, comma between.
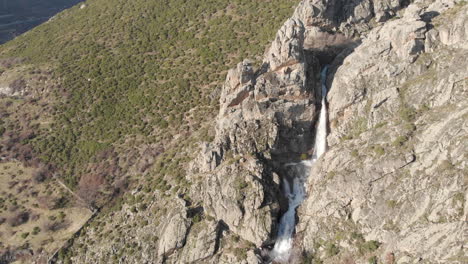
x: 50, y: 216
x: 122, y: 91
x: 131, y: 71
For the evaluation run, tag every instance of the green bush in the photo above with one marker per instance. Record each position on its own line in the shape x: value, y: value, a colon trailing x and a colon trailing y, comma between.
x: 197, y: 218
x: 369, y: 246
x: 143, y: 207
x: 240, y: 253
x: 241, y: 184
x: 379, y: 150
x: 407, y: 113
x: 399, y: 141
x: 372, y: 260
x: 331, y: 250
x: 36, y: 230
x: 381, y: 124
x: 61, y: 215
x: 392, y: 203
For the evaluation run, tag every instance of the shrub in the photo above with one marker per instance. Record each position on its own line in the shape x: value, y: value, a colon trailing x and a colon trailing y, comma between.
x: 89, y: 186
x: 60, y: 202
x: 36, y: 230
x: 39, y: 175
x: 143, y: 207
x: 390, y: 258
x: 332, y: 250
x: 379, y: 150
x: 19, y: 219
x: 240, y: 253
x: 369, y: 246
x: 61, y: 215
x: 407, y: 113
x: 391, y: 203
x: 357, y: 237
x: 18, y: 85
x: 307, y: 258
x: 459, y: 198
x: 381, y: 124
x: 55, y: 225
x: 197, y: 218
x: 399, y: 141
x: 241, y: 184
x: 373, y: 260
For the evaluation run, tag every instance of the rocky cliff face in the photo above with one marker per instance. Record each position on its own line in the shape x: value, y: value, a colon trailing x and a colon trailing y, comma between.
x: 392, y: 186
x: 265, y: 120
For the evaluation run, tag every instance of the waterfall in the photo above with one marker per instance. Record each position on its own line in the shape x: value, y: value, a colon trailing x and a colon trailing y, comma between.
x: 320, y: 144
x: 295, y: 191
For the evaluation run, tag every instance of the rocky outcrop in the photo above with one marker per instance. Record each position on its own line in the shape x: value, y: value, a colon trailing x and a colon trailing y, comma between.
x: 265, y: 119
x: 397, y: 87
x: 174, y: 233
x: 352, y: 18
x: 9, y: 91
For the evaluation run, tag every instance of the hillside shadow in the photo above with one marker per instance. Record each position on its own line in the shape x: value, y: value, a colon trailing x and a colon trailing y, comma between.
x: 338, y: 60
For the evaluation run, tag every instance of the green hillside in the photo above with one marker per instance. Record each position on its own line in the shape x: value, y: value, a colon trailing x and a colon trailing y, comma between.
x: 128, y: 73
x: 117, y: 95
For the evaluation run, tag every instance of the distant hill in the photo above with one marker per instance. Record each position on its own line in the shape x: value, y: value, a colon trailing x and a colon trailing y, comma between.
x: 17, y: 17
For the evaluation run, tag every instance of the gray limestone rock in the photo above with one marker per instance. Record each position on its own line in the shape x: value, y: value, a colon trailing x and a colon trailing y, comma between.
x: 394, y: 172
x: 173, y: 234
x: 368, y: 189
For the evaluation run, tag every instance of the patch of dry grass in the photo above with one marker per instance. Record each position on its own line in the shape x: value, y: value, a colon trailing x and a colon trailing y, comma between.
x: 42, y: 215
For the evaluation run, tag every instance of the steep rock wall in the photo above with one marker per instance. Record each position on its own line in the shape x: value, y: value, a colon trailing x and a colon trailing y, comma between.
x: 397, y: 89
x: 392, y: 187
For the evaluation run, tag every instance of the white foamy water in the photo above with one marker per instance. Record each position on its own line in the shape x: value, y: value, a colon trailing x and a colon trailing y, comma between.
x: 295, y: 191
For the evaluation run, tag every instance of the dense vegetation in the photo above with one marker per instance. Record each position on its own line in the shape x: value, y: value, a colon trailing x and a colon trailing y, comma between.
x: 136, y: 73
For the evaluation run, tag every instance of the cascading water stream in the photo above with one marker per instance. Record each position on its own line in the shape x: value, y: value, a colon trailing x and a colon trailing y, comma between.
x: 296, y: 192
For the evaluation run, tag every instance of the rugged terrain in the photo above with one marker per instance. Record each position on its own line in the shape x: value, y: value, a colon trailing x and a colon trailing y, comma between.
x: 392, y: 187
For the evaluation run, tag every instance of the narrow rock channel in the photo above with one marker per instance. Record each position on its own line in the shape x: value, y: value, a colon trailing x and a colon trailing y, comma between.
x: 295, y: 190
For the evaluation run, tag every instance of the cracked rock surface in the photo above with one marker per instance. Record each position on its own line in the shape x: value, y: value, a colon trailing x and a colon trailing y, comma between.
x: 392, y: 187
x: 393, y: 183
